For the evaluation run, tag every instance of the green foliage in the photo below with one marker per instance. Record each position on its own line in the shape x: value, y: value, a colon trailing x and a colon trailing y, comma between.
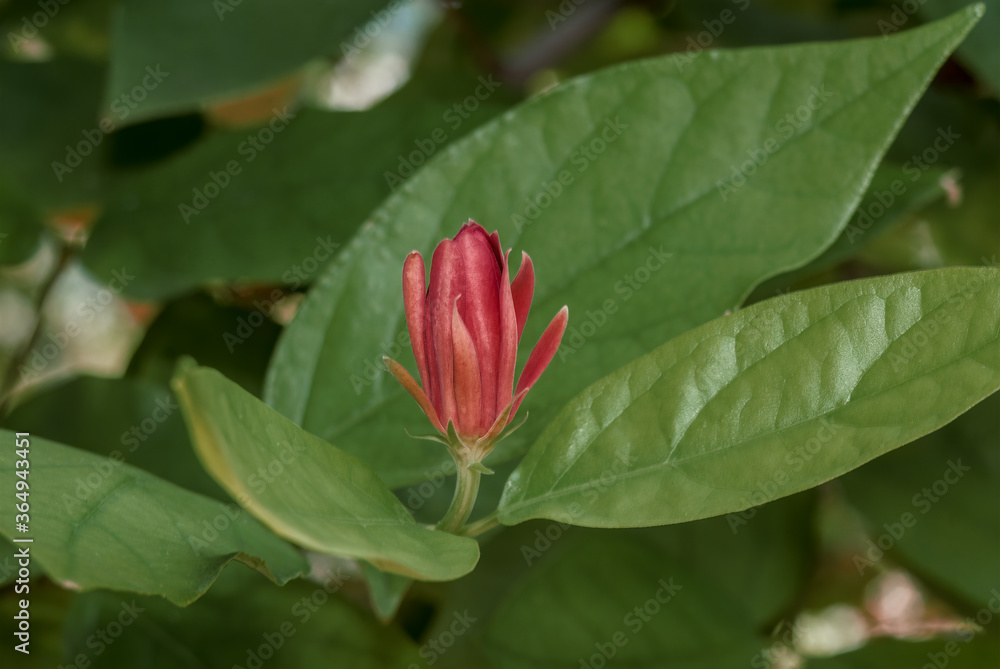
x: 654, y: 235
x: 774, y: 399
x: 775, y: 229
x: 306, y: 490
x: 99, y: 523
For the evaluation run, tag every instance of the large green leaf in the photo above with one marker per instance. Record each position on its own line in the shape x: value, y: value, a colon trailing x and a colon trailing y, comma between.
x: 776, y: 398
x: 238, y: 623
x: 939, y: 495
x: 227, y: 46
x: 280, y: 212
x: 98, y: 523
x: 307, y: 490
x: 650, y: 210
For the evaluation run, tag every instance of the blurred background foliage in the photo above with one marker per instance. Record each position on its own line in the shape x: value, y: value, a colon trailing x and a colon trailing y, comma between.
x: 780, y: 586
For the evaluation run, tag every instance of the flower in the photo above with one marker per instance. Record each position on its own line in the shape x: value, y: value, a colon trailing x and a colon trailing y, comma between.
x: 464, y: 329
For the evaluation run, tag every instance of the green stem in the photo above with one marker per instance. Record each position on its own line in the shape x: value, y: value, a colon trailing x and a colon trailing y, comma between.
x: 466, y: 491
x: 484, y: 524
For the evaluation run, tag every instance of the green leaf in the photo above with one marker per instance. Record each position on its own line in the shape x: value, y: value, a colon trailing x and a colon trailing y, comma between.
x: 893, y: 193
x: 99, y: 523
x: 668, y: 137
x: 387, y: 590
x: 307, y: 490
x: 776, y: 398
x: 946, y: 483
x: 135, y: 420
x: 302, y: 178
x: 228, y: 47
x: 301, y: 625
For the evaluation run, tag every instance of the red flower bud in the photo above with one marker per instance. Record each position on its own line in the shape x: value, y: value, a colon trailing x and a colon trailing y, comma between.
x: 464, y: 329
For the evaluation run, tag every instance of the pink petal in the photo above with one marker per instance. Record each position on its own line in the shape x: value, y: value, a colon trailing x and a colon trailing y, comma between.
x: 541, y: 356
x: 522, y: 290
x: 415, y: 301
x: 508, y: 344
x: 468, y: 384
x: 410, y: 385
x: 443, y: 288
x: 480, y: 309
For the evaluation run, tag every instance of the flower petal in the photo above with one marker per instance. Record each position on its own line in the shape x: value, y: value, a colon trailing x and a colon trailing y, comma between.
x: 480, y: 310
x: 522, y: 290
x: 508, y: 346
x: 541, y: 356
x: 468, y: 383
x: 410, y: 385
x: 415, y: 301
x: 443, y: 287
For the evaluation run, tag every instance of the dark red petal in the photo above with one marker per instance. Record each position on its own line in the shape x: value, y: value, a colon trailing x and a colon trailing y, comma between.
x: 522, y: 290
x: 495, y: 243
x: 415, y: 302
x: 480, y: 308
x: 468, y: 383
x: 541, y: 355
x: 410, y: 385
x: 444, y: 286
x: 508, y: 343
